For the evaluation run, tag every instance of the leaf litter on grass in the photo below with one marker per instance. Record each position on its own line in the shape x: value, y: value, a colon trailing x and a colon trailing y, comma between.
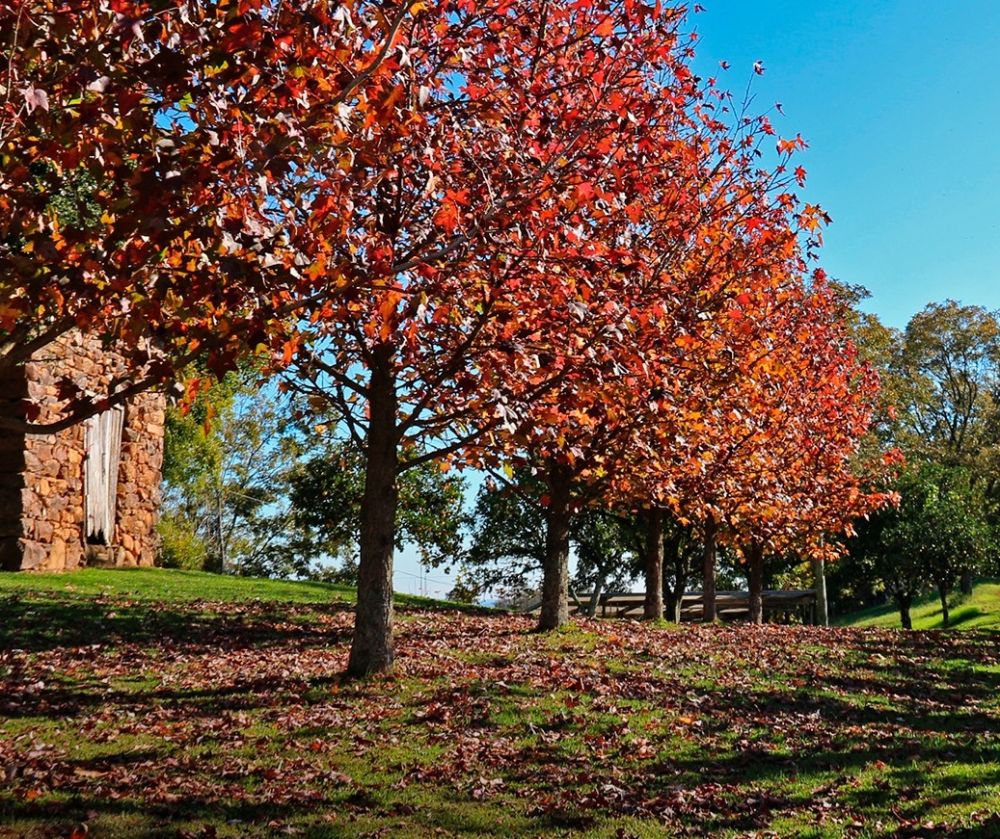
x: 233, y: 718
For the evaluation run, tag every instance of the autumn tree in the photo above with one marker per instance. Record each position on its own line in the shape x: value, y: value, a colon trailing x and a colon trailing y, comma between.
x: 475, y: 222
x: 727, y: 391
x: 140, y: 147
x: 800, y: 481
x: 712, y: 224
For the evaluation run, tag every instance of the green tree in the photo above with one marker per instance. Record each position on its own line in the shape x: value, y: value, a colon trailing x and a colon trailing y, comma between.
x: 326, y: 492
x: 227, y: 461
x: 256, y: 484
x: 939, y: 529
x: 940, y: 381
x: 507, y: 547
x: 945, y: 377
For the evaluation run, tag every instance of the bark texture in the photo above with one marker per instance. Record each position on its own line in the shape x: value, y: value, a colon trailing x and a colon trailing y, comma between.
x: 755, y: 581
x: 708, y: 571
x: 653, y: 607
x: 903, y: 601
x: 555, y: 570
x: 371, y: 647
x: 595, y: 597
x: 822, y: 604
x: 673, y: 595
x: 945, y: 613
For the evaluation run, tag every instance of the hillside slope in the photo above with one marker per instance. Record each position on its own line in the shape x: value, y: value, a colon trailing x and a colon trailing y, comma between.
x: 174, y: 586
x: 979, y: 610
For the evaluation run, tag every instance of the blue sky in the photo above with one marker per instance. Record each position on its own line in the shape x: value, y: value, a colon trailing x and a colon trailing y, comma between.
x: 900, y: 103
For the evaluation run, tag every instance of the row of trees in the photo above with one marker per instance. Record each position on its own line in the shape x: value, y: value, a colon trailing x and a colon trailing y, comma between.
x: 251, y: 489
x: 290, y: 498
x: 474, y: 233
x: 942, y: 377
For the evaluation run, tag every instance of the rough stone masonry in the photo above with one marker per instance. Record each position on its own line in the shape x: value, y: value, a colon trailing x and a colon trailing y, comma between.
x: 49, y: 499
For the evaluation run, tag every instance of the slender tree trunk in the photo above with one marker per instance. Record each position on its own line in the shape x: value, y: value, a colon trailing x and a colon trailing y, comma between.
x: 709, y: 613
x: 669, y: 589
x: 371, y: 648
x: 595, y: 598
x: 966, y: 582
x: 555, y: 569
x: 945, y: 615
x: 903, y: 601
x: 755, y: 582
x: 822, y: 605
x: 681, y: 571
x: 223, y: 559
x: 653, y: 607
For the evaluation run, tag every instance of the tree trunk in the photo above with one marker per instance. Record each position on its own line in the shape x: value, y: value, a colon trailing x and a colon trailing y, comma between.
x: 675, y: 597
x: 945, y: 615
x: 755, y: 581
x: 903, y: 602
x: 555, y: 569
x: 678, y: 607
x: 709, y: 613
x: 822, y: 604
x: 665, y: 584
x: 653, y: 607
x: 223, y: 559
x: 595, y: 597
x: 371, y: 647
x: 966, y: 582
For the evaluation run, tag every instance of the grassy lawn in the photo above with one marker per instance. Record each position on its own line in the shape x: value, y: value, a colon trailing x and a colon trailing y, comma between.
x: 200, y: 713
x: 171, y: 586
x: 979, y: 610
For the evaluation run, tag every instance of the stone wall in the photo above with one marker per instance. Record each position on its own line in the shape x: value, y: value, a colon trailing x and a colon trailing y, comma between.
x: 51, y: 491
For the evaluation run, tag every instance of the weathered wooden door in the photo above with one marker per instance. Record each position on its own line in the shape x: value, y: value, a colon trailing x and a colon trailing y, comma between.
x: 103, y: 441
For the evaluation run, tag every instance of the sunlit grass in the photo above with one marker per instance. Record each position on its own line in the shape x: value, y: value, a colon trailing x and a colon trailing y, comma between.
x: 979, y: 610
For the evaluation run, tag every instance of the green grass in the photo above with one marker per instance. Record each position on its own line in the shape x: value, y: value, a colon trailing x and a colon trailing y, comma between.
x: 171, y: 586
x: 165, y: 704
x: 979, y: 610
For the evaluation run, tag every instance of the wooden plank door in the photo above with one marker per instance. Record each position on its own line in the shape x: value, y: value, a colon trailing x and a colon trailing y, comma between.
x: 103, y: 441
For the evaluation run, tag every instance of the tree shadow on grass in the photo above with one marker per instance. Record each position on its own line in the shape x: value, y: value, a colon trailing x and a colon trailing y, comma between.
x: 964, y: 615
x: 942, y: 675
x: 906, y: 739
x: 39, y: 624
x: 58, y: 702
x: 931, y: 747
x: 899, y: 786
x: 141, y: 819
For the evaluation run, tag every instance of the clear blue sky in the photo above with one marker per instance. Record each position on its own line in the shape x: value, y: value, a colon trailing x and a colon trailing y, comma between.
x: 900, y: 103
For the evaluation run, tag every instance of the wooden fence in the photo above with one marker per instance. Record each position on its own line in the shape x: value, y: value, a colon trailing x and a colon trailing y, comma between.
x: 798, y: 606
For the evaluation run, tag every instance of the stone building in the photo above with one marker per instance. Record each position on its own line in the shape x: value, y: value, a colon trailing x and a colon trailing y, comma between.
x: 88, y: 495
